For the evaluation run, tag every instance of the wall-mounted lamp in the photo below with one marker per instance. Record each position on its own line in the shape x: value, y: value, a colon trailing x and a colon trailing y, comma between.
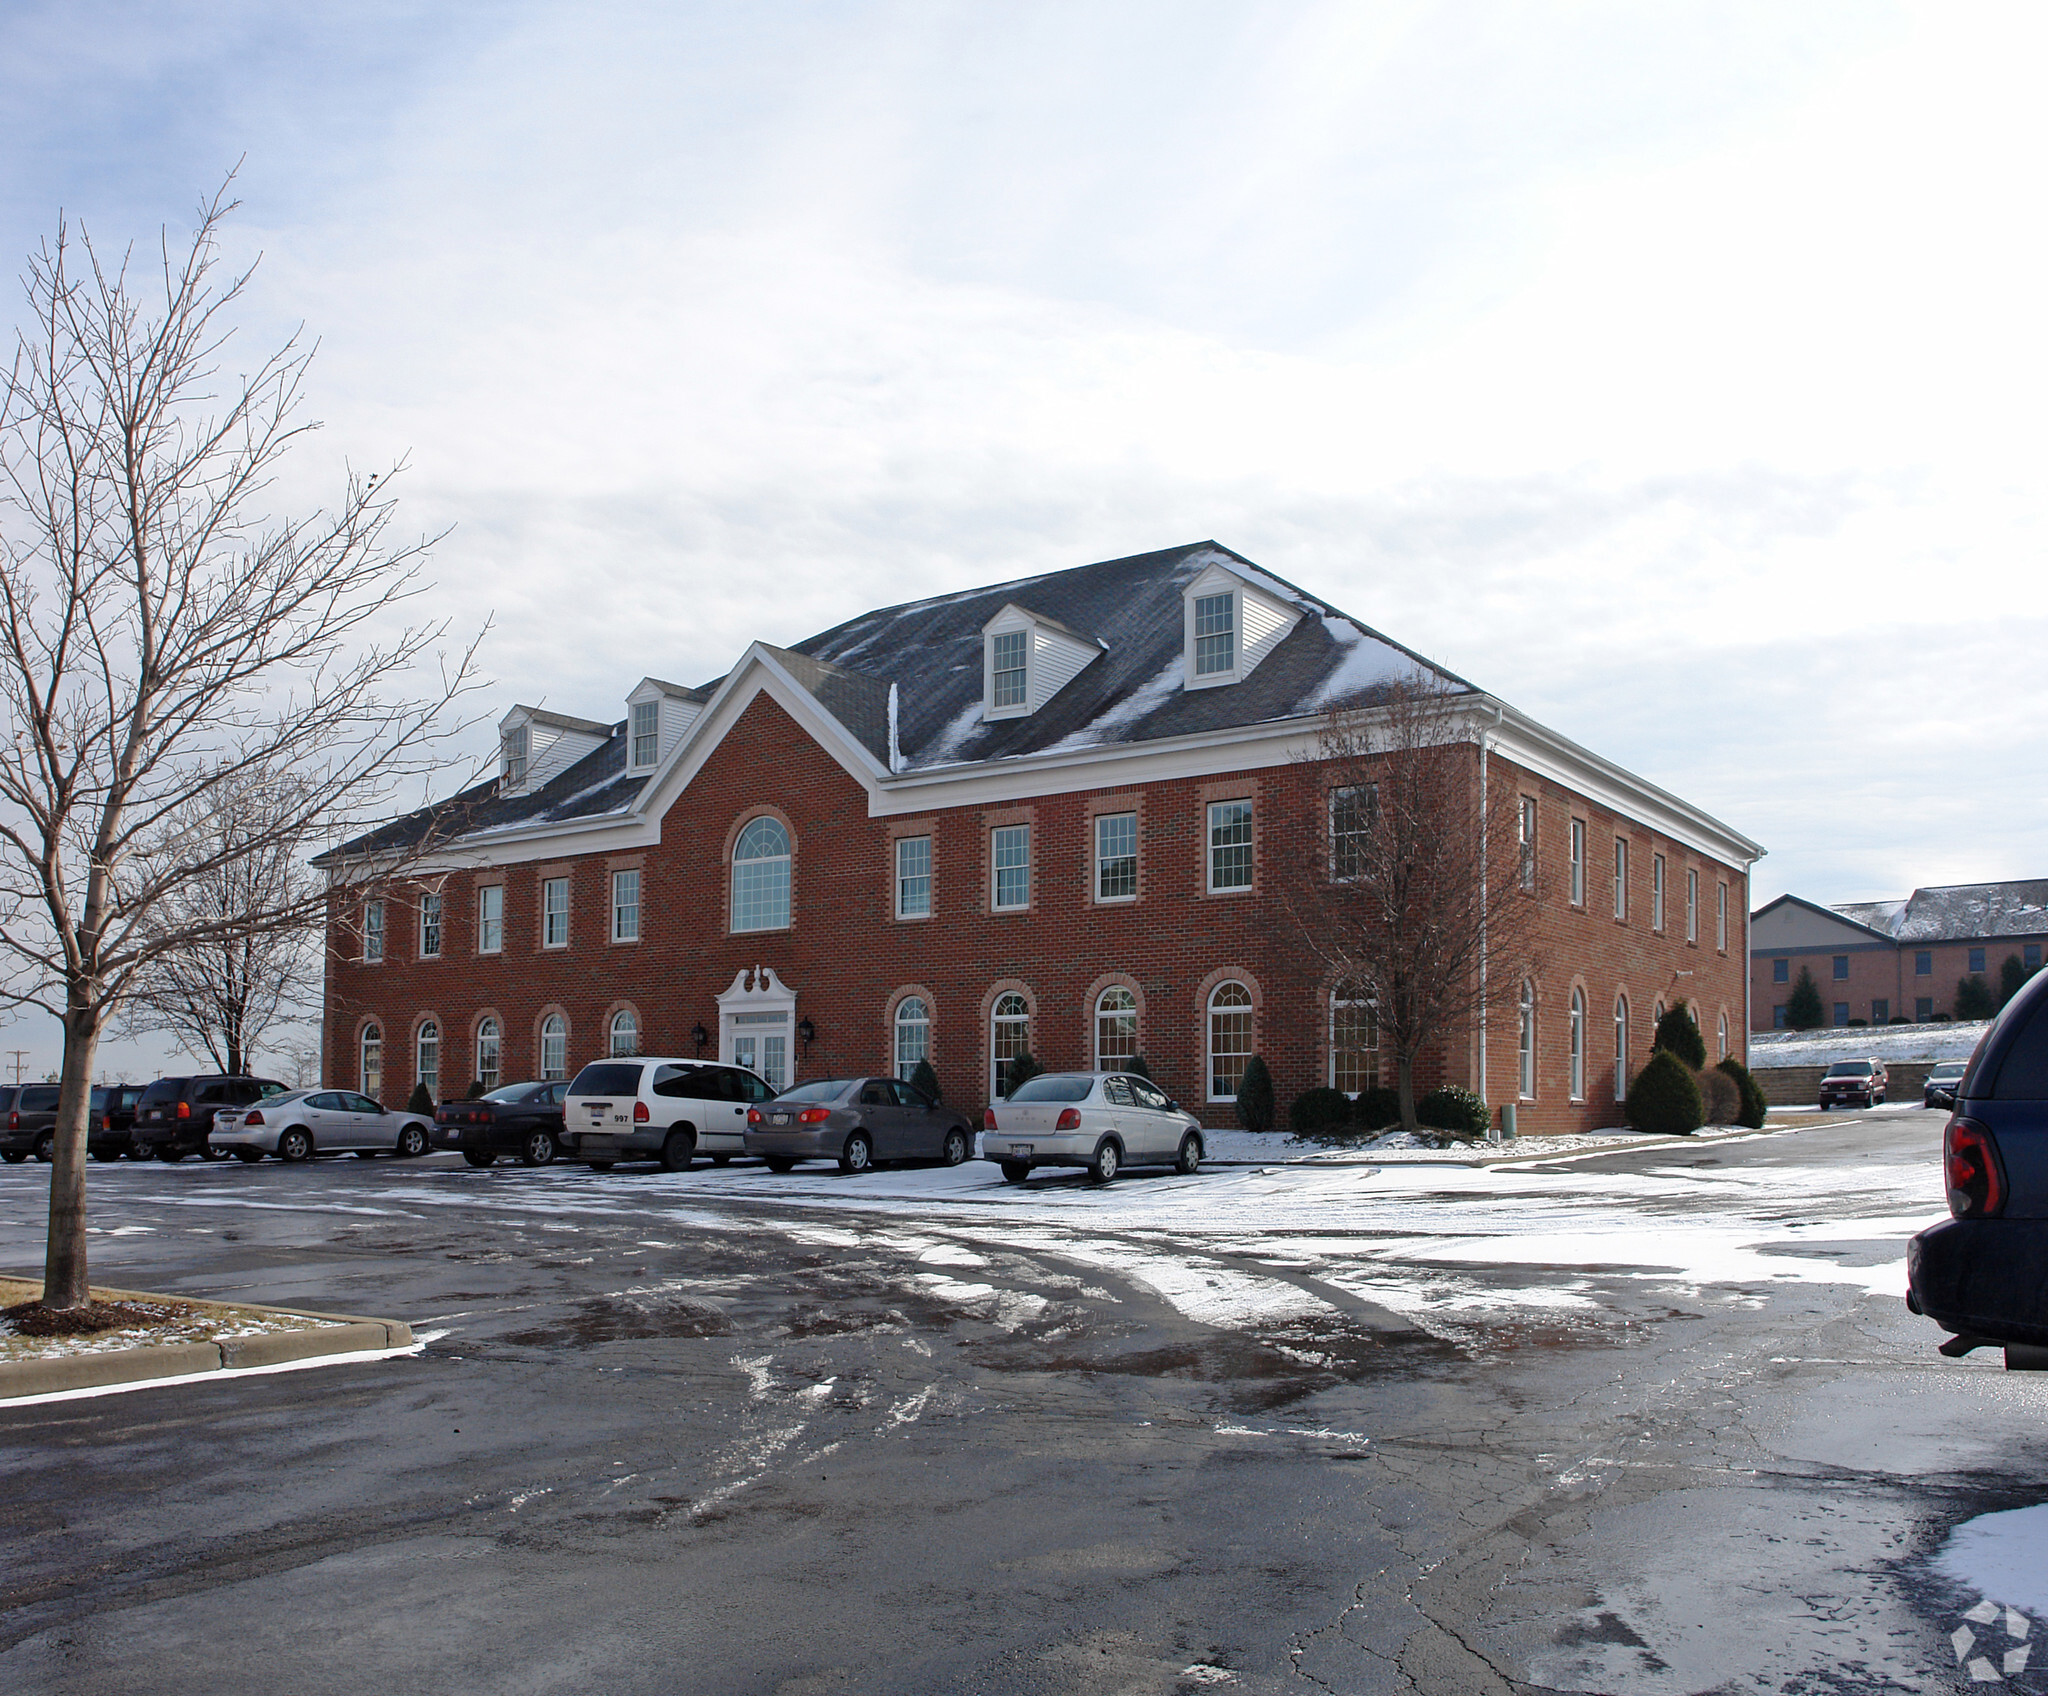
x: 807, y: 1033
x: 700, y: 1036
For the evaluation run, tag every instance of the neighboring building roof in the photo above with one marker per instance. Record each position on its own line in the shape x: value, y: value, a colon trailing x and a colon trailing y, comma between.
x: 1958, y: 911
x: 1788, y: 926
x: 562, y: 721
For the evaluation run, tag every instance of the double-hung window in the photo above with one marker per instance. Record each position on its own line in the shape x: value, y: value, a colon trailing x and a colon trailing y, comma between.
x: 646, y: 732
x: 1721, y: 917
x: 1010, y: 867
x: 1692, y: 904
x: 913, y: 877
x: 1006, y: 668
x: 1578, y: 846
x: 490, y: 918
x: 373, y: 932
x: 1351, y: 820
x: 1116, y: 856
x: 1621, y: 877
x: 512, y: 758
x: 1657, y: 892
x: 1215, y: 634
x: 626, y: 906
x: 430, y: 925
x: 1527, y: 841
x: 554, y: 912
x: 1230, y: 845
x: 1976, y: 959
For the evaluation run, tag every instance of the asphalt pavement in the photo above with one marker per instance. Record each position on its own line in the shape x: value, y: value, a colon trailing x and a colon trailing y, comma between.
x: 1289, y: 1430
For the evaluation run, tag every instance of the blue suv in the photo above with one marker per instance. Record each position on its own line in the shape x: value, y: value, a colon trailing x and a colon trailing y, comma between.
x: 1983, y: 1273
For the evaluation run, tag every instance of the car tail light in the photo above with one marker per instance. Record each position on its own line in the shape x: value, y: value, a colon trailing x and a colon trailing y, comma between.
x: 988, y: 1118
x: 14, y: 1121
x: 254, y: 1118
x: 814, y: 1115
x: 640, y: 1113
x: 753, y: 1115
x: 1069, y: 1119
x: 184, y: 1109
x: 106, y: 1121
x: 1976, y: 1176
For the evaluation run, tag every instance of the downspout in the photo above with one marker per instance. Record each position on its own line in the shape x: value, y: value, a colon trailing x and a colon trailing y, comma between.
x: 1748, y: 958
x: 1486, y: 890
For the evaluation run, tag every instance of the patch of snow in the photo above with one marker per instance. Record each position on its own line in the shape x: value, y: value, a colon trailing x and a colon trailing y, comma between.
x: 2003, y: 1557
x: 1891, y: 1043
x: 1364, y: 662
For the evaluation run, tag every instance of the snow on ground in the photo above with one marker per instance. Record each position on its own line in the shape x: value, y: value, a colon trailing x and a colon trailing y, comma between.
x: 1890, y: 1043
x: 1233, y: 1147
x: 2002, y: 1557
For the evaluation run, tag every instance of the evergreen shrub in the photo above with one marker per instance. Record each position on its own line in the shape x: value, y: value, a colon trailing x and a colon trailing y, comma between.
x: 1720, y: 1097
x: 1803, y: 1012
x: 1859, y: 1024
x: 924, y: 1078
x: 1974, y: 999
x: 1317, y: 1112
x: 1449, y: 1108
x: 2010, y: 976
x: 1663, y: 1097
x: 1255, y: 1106
x: 1140, y: 1068
x: 1022, y: 1070
x: 1376, y: 1108
x: 1679, y: 1032
x: 475, y: 1090
x: 1753, y: 1106
x: 420, y: 1101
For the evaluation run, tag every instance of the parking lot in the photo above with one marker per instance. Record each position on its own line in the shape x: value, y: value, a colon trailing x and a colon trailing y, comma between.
x: 1352, y: 1427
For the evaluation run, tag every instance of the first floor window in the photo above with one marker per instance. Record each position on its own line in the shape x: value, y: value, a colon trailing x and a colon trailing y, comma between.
x: 488, y: 1045
x: 490, y: 918
x: 373, y: 932
x: 625, y: 1032
x: 1880, y: 1012
x: 1779, y: 1015
x: 430, y: 925
x: 1621, y: 1048
x: 1116, y: 856
x: 554, y: 913
x: 1578, y: 1051
x: 1116, y: 1030
x: 1009, y: 1038
x: 1525, y: 1044
x: 913, y: 877
x: 1354, y: 1040
x: 1230, y: 845
x: 1010, y: 849
x: 429, y: 1070
x: 1841, y: 1013
x: 626, y: 906
x: 554, y: 1047
x: 370, y: 1071
x: 913, y: 1035
x: 1230, y: 1039
x: 1923, y: 1009
x: 1724, y: 1037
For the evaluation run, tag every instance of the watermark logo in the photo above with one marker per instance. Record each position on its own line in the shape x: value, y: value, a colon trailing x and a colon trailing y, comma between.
x: 1989, y: 1654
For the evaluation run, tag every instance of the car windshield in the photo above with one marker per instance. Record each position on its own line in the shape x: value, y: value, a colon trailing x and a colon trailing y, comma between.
x: 608, y: 1077
x: 1849, y: 1069
x: 825, y: 1089
x: 1055, y: 1086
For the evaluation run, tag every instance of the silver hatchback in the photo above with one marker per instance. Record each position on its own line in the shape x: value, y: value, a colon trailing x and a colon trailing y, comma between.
x: 1102, y: 1121
x: 858, y: 1122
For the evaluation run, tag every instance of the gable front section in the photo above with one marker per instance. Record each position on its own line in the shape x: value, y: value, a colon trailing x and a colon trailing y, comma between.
x: 1791, y: 926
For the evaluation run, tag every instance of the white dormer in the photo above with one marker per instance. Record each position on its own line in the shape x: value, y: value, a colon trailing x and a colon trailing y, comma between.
x: 657, y: 714
x: 1026, y: 659
x: 534, y: 746
x: 1231, y: 625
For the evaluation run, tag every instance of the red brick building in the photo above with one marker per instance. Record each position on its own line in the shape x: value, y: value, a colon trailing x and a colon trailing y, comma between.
x: 1046, y: 814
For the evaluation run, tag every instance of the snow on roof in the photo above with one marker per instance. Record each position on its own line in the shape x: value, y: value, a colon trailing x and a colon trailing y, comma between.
x: 1958, y: 912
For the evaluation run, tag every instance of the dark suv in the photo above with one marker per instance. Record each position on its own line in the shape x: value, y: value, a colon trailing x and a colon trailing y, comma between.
x: 1853, y: 1083
x: 110, y: 1132
x: 1979, y: 1272
x: 175, y: 1115
x: 28, y: 1121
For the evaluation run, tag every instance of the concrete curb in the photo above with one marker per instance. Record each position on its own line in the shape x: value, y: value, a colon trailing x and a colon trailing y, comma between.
x: 346, y: 1334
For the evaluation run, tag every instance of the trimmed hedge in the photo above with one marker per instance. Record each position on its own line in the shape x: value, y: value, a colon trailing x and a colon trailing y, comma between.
x: 1376, y: 1108
x: 1448, y: 1108
x: 1663, y: 1098
x: 1317, y: 1112
x: 1753, y: 1104
x: 1680, y: 1032
x: 1255, y: 1106
x: 475, y: 1090
x: 420, y: 1101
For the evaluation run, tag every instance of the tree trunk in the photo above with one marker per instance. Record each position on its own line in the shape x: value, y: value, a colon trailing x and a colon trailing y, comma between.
x: 64, y: 1268
x: 1404, y: 1085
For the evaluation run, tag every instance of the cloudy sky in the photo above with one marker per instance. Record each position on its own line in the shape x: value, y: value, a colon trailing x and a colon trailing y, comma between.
x: 1673, y: 372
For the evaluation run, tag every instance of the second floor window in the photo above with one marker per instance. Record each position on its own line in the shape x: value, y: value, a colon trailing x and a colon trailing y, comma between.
x: 1578, y: 862
x: 430, y: 926
x: 1721, y: 917
x: 1526, y: 841
x: 646, y: 732
x: 760, y: 877
x: 1692, y: 905
x: 373, y: 931
x: 1923, y: 963
x: 1351, y: 816
x: 554, y: 913
x: 1215, y: 635
x: 1657, y: 892
x: 1010, y: 870
x: 1620, y: 878
x: 626, y: 906
x: 490, y: 918
x: 1006, y: 668
x: 913, y: 877
x: 1116, y: 856
x: 1230, y: 845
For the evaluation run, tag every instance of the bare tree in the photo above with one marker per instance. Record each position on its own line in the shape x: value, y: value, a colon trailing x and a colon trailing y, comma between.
x: 1412, y: 896
x: 243, y: 964
x: 163, y: 638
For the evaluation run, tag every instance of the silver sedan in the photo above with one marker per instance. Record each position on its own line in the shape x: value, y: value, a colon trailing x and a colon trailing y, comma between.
x: 1102, y: 1121
x: 304, y: 1122
x: 858, y: 1122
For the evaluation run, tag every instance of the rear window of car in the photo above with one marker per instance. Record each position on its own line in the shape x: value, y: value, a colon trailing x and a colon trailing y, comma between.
x: 2023, y: 1073
x: 607, y: 1077
x: 1054, y: 1086
x: 1849, y: 1069
x: 39, y: 1098
x: 511, y: 1092
x: 165, y: 1089
x: 821, y: 1089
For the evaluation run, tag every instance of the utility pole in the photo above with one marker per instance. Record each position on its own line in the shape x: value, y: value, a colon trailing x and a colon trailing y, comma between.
x: 20, y: 1055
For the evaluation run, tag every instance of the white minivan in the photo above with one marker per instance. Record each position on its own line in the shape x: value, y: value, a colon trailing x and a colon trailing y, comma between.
x: 646, y: 1107
x: 1101, y: 1120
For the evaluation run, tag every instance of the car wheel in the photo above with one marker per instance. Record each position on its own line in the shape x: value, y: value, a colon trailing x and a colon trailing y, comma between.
x: 539, y: 1150
x: 678, y: 1151
x: 140, y: 1151
x: 413, y: 1142
x: 1189, y: 1160
x: 1108, y: 1157
x: 776, y: 1163
x: 1016, y: 1171
x: 956, y: 1150
x: 208, y: 1152
x: 295, y: 1145
x: 13, y: 1156
x: 721, y: 1160
x: 170, y: 1154
x: 479, y: 1157
x: 859, y: 1153
x: 46, y: 1146
x: 249, y: 1156
x: 602, y: 1165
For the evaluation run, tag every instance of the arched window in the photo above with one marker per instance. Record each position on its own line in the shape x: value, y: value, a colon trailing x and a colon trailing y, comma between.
x: 429, y: 1072
x: 760, y: 877
x: 1009, y: 1036
x: 1724, y: 1037
x: 1578, y: 1046
x: 1621, y: 1048
x: 371, y: 1070
x: 487, y: 1049
x: 1116, y: 1030
x: 1525, y: 1045
x: 554, y: 1047
x: 625, y: 1032
x: 913, y: 1035
x: 1230, y: 1039
x: 1354, y: 1040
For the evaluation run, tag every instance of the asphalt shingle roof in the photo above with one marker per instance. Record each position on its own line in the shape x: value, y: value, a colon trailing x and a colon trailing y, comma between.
x: 1957, y: 911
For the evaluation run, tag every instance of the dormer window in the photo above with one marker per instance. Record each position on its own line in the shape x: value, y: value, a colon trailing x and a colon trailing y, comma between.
x: 1006, y: 669
x: 1029, y: 658
x: 1215, y: 634
x: 646, y: 732
x: 512, y: 758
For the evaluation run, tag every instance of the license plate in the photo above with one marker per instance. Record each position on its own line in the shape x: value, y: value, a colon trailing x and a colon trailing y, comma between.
x: 1022, y: 1147
x: 778, y: 1118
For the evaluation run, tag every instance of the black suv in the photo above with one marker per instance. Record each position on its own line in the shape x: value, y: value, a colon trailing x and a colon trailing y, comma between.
x: 110, y: 1132
x: 175, y: 1115
x: 28, y: 1121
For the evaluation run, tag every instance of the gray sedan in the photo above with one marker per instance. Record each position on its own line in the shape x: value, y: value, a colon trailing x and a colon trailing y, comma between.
x: 858, y: 1122
x: 304, y: 1122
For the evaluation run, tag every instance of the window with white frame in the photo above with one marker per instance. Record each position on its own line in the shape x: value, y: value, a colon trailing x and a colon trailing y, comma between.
x: 760, y: 877
x: 1010, y: 867
x: 1526, y: 841
x: 1116, y: 856
x: 1354, y: 1040
x: 430, y: 924
x: 913, y: 1035
x: 1724, y: 1038
x: 490, y: 918
x: 512, y: 746
x: 1525, y: 1044
x: 1116, y: 1030
x: 1352, y: 811
x: 1009, y: 1038
x: 554, y: 1047
x: 1215, y: 634
x: 373, y: 933
x: 1692, y: 905
x: 1621, y: 877
x: 428, y: 1048
x: 1230, y: 845
x: 913, y: 877
x: 1230, y: 1039
x: 1657, y: 892
x: 370, y: 1062
x: 646, y: 732
x: 626, y: 905
x: 1621, y: 1048
x: 554, y: 912
x: 1578, y: 1050
x: 489, y: 1049
x: 1578, y: 853
x: 1721, y: 917
x: 1006, y: 673
x: 624, y: 1033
